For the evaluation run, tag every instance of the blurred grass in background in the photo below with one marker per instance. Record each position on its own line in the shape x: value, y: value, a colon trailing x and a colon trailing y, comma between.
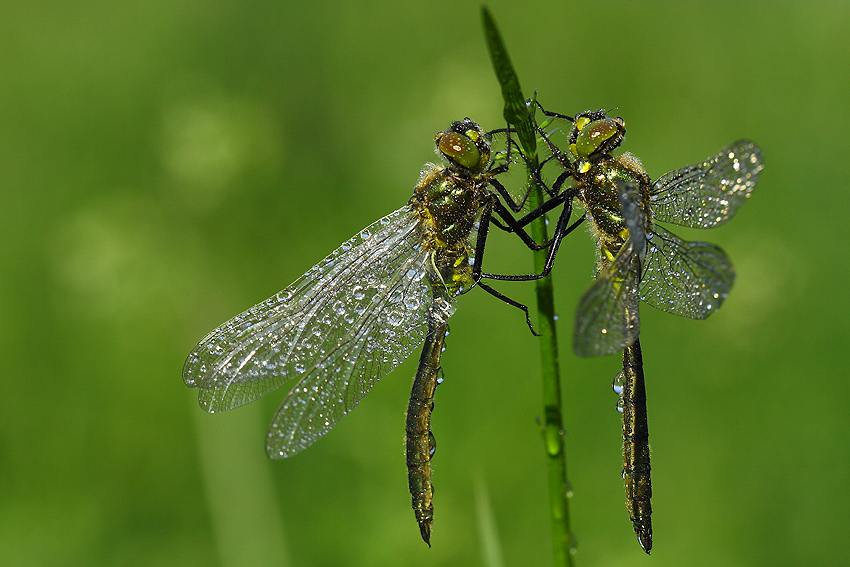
x: 165, y: 165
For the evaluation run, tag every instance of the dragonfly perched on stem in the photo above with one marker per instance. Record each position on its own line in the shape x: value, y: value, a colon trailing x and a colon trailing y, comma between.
x: 360, y: 312
x: 639, y: 260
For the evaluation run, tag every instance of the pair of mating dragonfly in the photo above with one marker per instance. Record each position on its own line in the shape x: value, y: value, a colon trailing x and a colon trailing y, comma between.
x: 360, y: 312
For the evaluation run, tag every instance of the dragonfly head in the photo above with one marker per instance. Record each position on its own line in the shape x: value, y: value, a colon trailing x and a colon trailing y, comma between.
x: 595, y: 134
x: 464, y: 144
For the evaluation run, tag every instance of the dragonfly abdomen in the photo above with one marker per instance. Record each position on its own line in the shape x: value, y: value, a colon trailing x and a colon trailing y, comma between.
x: 419, y: 440
x: 636, y: 465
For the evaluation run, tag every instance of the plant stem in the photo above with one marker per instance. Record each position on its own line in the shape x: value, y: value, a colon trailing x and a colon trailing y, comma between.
x: 553, y: 428
x: 517, y: 114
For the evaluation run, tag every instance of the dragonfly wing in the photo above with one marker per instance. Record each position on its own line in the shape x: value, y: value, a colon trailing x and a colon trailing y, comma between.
x: 282, y: 337
x: 607, y: 316
x: 690, y: 279
x: 633, y: 215
x: 708, y: 194
x: 391, y: 325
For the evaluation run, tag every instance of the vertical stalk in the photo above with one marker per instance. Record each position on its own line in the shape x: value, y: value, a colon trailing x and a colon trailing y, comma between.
x: 517, y: 114
x: 553, y: 428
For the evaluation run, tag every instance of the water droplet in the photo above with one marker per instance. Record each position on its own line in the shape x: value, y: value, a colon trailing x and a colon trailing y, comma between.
x: 620, y: 405
x: 432, y: 444
x: 364, y: 234
x: 299, y: 367
x: 617, y: 384
x: 339, y: 307
x: 357, y: 292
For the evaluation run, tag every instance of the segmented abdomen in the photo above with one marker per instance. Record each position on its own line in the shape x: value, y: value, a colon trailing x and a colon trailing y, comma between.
x: 420, y: 440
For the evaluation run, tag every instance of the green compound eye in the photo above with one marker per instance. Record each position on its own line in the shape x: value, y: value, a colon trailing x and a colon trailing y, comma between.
x: 591, y: 137
x: 460, y: 149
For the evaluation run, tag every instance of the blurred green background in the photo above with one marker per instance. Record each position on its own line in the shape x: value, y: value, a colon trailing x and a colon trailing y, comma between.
x: 165, y: 165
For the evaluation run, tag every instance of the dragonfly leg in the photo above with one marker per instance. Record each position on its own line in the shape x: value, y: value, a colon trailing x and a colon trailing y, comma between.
x: 497, y: 294
x: 562, y: 229
x: 517, y: 226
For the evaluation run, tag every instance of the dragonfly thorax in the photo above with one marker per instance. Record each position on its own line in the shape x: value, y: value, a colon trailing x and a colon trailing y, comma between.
x: 447, y: 206
x: 599, y: 192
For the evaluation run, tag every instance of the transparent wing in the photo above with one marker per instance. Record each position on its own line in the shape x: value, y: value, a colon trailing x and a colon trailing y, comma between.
x: 707, y: 194
x: 392, y: 326
x: 311, y: 326
x: 607, y: 317
x: 633, y: 215
x: 690, y: 279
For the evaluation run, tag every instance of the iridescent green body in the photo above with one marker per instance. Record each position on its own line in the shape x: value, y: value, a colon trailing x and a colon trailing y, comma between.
x: 599, y: 192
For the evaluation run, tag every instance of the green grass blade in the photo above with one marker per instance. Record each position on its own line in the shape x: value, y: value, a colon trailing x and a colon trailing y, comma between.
x: 516, y: 111
x: 488, y: 533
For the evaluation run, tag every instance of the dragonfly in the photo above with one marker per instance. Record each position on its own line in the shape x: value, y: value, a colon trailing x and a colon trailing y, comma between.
x: 360, y: 312
x: 638, y: 260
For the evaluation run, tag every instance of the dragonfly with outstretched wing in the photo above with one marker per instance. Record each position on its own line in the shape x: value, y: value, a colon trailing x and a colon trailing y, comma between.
x: 360, y: 312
